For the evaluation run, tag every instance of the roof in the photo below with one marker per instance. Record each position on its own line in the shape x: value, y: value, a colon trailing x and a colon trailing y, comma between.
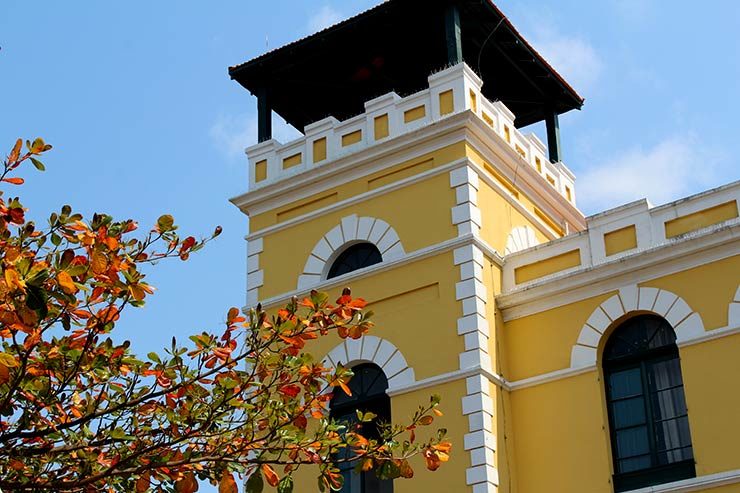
x: 395, y: 46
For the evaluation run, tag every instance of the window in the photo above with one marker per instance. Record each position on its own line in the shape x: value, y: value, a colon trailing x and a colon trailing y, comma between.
x: 368, y: 388
x: 651, y: 441
x: 355, y: 257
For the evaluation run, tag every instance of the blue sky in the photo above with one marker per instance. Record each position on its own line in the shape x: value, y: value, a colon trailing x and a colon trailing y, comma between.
x: 136, y: 99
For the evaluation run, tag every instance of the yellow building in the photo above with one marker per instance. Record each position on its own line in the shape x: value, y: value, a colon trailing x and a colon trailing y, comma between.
x: 573, y: 354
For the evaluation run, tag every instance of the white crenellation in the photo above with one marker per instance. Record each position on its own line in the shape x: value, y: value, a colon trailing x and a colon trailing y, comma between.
x: 686, y: 322
x: 460, y: 79
x: 350, y: 230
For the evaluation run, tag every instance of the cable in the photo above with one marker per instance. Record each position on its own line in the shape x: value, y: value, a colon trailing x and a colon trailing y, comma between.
x: 480, y: 53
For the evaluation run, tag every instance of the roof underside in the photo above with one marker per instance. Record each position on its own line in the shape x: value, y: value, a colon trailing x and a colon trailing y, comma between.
x: 395, y: 47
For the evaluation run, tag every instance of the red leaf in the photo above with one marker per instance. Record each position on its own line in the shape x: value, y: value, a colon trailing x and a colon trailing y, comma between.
x: 14, y: 180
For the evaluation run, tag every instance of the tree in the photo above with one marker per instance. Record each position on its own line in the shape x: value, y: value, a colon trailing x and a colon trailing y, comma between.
x: 81, y: 413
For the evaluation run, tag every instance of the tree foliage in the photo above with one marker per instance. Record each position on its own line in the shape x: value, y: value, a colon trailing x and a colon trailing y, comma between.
x: 80, y: 412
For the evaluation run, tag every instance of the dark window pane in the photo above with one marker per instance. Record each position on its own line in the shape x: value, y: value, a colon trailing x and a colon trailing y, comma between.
x: 368, y: 386
x: 355, y: 257
x: 625, y: 383
x: 668, y: 404
x: 651, y: 440
x: 632, y: 442
x: 673, y: 433
x: 675, y: 455
x: 629, y: 412
x: 665, y: 374
x: 634, y: 463
x: 638, y: 335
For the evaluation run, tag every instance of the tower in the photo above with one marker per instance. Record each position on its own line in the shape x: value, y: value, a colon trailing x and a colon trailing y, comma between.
x: 410, y: 183
x: 413, y: 184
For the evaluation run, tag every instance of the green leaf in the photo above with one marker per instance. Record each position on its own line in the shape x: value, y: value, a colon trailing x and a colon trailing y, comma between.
x: 38, y: 164
x: 255, y: 483
x: 285, y: 485
x: 154, y: 357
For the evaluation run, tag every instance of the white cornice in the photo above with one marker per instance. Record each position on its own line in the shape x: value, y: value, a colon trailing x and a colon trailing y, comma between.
x: 506, y: 160
x: 666, y: 259
x: 464, y: 126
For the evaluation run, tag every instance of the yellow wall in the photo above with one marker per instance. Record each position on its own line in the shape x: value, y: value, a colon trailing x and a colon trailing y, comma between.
x: 286, y: 251
x: 542, y: 342
x: 413, y: 304
x: 559, y: 437
x: 710, y: 372
x: 708, y: 289
x: 499, y: 217
x: 440, y: 157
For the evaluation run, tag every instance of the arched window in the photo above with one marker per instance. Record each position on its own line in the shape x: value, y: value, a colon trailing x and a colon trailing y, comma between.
x: 368, y: 388
x: 355, y: 257
x: 651, y: 440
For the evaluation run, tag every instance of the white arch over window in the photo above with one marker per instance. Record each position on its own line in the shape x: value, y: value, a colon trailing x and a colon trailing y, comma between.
x: 686, y: 322
x: 350, y: 230
x: 520, y: 238
x: 372, y: 349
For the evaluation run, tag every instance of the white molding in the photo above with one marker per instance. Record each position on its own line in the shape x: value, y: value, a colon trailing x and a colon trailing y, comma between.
x: 372, y: 349
x: 663, y: 260
x: 520, y: 238
x: 549, y: 377
x: 410, y: 257
x: 686, y: 322
x: 345, y: 234
x: 694, y: 484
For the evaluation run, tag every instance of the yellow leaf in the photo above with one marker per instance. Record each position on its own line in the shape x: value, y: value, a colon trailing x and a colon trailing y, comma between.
x: 8, y: 360
x: 66, y: 283
x: 136, y: 292
x: 13, y: 280
x: 98, y: 262
x: 227, y: 484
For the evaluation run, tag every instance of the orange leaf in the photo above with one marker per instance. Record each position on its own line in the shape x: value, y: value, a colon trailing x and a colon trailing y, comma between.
x: 227, y: 484
x: 142, y: 484
x: 437, y: 412
x: 187, y: 484
x: 16, y: 152
x: 4, y: 374
x: 14, y: 180
x: 270, y: 475
x: 66, y: 283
